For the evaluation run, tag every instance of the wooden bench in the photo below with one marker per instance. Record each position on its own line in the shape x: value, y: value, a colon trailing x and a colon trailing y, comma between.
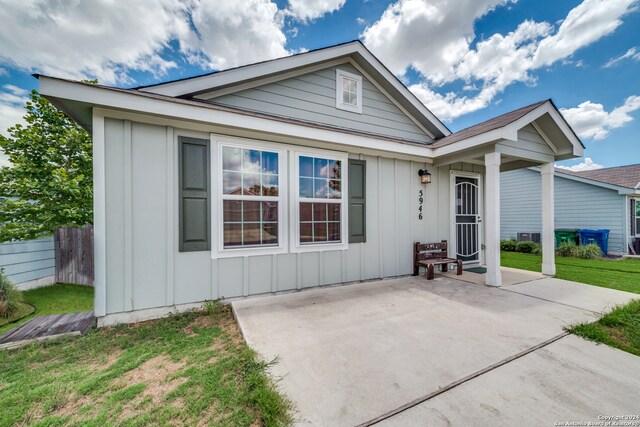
x: 428, y: 255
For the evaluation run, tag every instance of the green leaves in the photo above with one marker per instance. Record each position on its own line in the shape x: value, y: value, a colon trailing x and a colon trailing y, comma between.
x: 49, y: 182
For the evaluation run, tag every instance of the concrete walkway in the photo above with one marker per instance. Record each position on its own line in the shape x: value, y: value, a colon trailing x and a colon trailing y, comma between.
x: 349, y: 355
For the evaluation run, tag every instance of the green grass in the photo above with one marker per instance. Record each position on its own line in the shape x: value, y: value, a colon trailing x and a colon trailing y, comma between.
x: 189, y: 369
x: 620, y: 328
x: 58, y: 298
x: 623, y: 274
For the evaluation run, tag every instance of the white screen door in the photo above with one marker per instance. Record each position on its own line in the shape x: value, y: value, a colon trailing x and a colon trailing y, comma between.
x: 467, y: 219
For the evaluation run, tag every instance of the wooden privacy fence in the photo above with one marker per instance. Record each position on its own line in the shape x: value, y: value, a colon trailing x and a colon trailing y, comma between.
x: 74, y: 255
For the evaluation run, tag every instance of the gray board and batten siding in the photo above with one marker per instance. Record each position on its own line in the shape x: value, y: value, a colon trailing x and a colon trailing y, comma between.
x: 143, y: 224
x: 29, y: 263
x: 577, y: 205
x: 312, y: 97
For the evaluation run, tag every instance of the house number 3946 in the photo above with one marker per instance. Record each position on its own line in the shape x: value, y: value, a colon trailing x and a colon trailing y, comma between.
x: 420, y: 202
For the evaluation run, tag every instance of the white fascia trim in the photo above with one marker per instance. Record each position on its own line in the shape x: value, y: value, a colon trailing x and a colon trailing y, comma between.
x: 510, y: 132
x: 495, y: 135
x: 619, y: 189
x: 547, y: 107
x: 106, y: 98
x: 402, y: 89
x: 198, y: 84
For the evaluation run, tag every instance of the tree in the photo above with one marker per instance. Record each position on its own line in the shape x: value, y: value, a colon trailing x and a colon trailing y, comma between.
x: 49, y: 182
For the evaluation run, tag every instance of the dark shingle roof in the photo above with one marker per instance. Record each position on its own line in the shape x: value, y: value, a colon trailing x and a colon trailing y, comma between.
x: 624, y: 176
x: 489, y: 125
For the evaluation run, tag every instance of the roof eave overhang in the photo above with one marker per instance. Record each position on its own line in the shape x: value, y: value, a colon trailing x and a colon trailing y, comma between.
x: 620, y: 189
x: 63, y: 93
x: 510, y: 132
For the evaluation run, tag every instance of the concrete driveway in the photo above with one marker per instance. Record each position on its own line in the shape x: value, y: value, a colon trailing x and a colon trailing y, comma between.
x: 442, y: 352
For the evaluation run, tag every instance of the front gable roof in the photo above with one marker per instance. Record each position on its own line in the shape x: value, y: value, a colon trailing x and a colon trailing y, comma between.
x: 241, y: 78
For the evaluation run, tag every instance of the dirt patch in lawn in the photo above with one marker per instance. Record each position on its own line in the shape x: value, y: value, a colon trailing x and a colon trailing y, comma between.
x: 153, y: 374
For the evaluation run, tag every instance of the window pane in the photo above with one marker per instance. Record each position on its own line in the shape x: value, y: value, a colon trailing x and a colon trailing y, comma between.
x: 251, y: 161
x: 251, y: 184
x: 319, y: 212
x: 306, y: 166
x: 251, y: 211
x: 321, y: 168
x: 305, y: 212
x: 335, y: 189
x: 320, y: 188
x: 334, y: 212
x: 231, y: 182
x: 306, y: 187
x: 345, y: 97
x: 270, y: 234
x: 231, y: 159
x: 334, y: 232
x: 251, y: 234
x: 335, y: 169
x: 269, y: 162
x: 269, y: 185
x: 306, y: 232
x: 232, y: 235
x: 232, y: 211
x: 269, y: 211
x: 319, y: 231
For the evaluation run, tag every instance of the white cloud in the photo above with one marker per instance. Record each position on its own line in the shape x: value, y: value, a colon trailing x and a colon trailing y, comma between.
x: 3, y: 72
x: 591, y: 120
x: 434, y: 38
x: 106, y: 39
x: 12, y: 101
x: 585, y: 23
x: 587, y: 165
x: 306, y: 10
x: 232, y: 33
x: 632, y: 54
x: 360, y: 21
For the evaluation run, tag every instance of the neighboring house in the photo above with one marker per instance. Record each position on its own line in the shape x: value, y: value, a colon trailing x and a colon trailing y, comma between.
x: 287, y: 174
x: 604, y: 198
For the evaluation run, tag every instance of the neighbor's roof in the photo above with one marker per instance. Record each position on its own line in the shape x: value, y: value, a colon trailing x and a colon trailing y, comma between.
x: 489, y: 125
x: 624, y: 176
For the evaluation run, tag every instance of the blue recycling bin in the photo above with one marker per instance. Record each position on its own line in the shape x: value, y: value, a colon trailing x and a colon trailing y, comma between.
x: 599, y: 237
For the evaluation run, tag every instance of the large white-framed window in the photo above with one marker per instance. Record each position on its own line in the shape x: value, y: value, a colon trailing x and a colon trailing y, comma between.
x: 249, y: 198
x: 319, y: 201
x: 348, y: 91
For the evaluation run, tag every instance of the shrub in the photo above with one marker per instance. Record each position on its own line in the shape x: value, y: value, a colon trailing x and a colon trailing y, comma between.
x: 537, y: 250
x: 567, y: 249
x: 526, y: 247
x: 508, y: 245
x: 10, y: 296
x: 590, y: 251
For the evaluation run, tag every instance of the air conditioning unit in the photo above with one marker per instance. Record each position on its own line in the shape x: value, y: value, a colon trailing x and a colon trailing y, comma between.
x: 529, y: 237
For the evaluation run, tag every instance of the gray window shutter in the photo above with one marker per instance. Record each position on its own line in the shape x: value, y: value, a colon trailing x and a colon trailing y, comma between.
x: 194, y: 194
x: 357, y: 201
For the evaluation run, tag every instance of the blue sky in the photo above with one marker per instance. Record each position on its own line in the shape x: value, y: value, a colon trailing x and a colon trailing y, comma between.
x: 467, y: 60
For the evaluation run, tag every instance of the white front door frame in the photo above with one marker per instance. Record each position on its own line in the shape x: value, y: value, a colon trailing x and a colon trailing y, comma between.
x: 452, y: 214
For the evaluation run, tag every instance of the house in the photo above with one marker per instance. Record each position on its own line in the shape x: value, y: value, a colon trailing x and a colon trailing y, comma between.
x: 606, y: 198
x: 288, y: 174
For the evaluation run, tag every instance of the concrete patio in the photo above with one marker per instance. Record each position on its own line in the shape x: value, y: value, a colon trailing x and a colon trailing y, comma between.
x: 348, y: 355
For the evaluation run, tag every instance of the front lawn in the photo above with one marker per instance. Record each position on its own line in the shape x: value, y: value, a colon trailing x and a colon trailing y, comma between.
x: 58, y: 298
x: 623, y: 275
x: 189, y: 369
x: 620, y: 328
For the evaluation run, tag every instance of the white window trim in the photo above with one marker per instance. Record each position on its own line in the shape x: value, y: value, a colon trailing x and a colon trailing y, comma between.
x: 635, y: 218
x: 294, y: 205
x: 217, y: 230
x: 340, y: 74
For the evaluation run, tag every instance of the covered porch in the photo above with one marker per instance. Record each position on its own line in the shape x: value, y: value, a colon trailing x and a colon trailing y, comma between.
x: 533, y: 136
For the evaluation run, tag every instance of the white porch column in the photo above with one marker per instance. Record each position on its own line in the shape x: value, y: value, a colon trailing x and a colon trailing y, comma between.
x: 492, y: 218
x: 548, y: 212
